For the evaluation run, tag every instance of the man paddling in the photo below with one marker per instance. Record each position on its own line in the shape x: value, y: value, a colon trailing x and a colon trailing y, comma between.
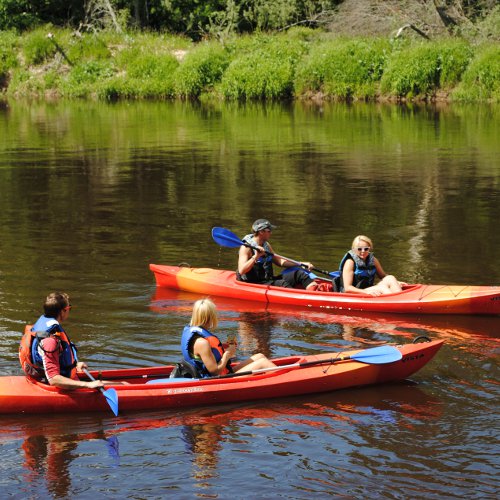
x: 46, y: 352
x: 255, y: 265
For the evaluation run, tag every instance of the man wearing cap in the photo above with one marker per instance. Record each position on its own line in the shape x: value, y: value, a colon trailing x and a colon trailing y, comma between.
x: 256, y: 265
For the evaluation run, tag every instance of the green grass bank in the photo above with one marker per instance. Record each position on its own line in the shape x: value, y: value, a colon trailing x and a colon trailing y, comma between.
x: 298, y: 64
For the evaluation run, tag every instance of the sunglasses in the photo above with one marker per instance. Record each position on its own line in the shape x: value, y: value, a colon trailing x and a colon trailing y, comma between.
x: 363, y: 249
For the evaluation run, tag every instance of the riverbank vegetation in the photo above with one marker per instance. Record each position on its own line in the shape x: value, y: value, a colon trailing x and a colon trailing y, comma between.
x: 114, y: 60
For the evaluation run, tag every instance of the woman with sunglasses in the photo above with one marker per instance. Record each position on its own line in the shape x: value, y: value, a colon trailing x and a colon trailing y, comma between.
x: 358, y: 270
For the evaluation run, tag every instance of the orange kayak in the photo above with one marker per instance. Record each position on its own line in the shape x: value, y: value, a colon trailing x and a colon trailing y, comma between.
x: 414, y: 299
x: 151, y: 389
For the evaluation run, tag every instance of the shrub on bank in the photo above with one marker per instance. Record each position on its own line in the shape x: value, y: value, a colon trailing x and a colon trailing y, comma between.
x: 412, y: 71
x: 201, y: 70
x: 151, y: 75
x: 92, y: 46
x: 422, y: 69
x: 454, y: 57
x: 37, y: 47
x: 8, y: 58
x: 343, y: 69
x: 481, y: 81
x: 264, y: 72
x: 82, y: 79
x: 109, y: 65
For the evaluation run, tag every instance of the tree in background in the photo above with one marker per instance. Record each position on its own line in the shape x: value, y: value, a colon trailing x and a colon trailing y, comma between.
x: 218, y: 18
x: 26, y: 14
x: 195, y: 18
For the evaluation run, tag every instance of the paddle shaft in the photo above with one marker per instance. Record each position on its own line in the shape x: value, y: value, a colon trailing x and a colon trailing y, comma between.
x: 330, y: 361
x: 226, y: 238
x: 356, y: 357
x: 296, y: 262
x: 239, y: 374
x: 93, y: 379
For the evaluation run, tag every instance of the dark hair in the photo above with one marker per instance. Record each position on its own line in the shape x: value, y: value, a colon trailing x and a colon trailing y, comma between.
x: 54, y: 303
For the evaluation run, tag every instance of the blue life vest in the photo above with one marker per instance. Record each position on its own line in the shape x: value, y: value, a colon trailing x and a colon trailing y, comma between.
x: 364, y: 271
x: 186, y: 341
x: 262, y: 270
x: 45, y: 327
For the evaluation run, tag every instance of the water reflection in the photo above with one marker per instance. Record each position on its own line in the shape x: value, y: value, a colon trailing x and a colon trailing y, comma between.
x: 48, y: 453
x: 91, y: 194
x: 50, y: 449
x: 204, y: 442
x: 256, y: 322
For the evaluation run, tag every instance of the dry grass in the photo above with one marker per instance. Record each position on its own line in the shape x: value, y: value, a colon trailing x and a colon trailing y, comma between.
x: 385, y: 17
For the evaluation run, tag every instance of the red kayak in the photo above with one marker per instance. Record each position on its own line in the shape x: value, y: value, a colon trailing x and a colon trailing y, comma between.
x: 152, y: 389
x: 414, y: 299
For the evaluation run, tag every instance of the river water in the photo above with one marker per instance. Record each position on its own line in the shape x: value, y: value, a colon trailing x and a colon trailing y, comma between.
x: 90, y: 194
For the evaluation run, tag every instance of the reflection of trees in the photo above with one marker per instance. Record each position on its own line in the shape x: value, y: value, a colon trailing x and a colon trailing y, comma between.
x: 345, y: 168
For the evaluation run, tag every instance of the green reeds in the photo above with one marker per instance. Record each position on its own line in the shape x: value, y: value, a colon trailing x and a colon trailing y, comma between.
x: 263, y: 68
x: 8, y: 57
x: 420, y: 70
x: 343, y: 69
x: 481, y: 80
x: 300, y: 63
x: 201, y: 69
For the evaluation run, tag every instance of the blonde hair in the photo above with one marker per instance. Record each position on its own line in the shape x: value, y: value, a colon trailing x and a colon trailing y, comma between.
x: 355, y: 241
x: 204, y: 314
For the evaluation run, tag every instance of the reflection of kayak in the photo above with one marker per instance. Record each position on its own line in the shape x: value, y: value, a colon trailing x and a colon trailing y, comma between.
x: 19, y: 395
x: 447, y: 326
x: 429, y: 299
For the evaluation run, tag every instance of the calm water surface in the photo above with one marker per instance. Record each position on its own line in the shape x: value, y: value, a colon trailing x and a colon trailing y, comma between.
x: 91, y: 194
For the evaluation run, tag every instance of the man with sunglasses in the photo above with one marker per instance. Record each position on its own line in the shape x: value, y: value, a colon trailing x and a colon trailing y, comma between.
x: 358, y: 270
x: 52, y: 355
x: 255, y: 265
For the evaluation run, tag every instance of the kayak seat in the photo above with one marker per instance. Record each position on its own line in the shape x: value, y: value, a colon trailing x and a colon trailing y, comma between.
x: 185, y: 370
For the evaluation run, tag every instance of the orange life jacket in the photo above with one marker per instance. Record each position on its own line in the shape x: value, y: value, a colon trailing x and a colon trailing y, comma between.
x: 35, y: 370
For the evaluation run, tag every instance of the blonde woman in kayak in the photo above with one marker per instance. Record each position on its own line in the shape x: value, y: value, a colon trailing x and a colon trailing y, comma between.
x: 203, y: 350
x: 359, y: 267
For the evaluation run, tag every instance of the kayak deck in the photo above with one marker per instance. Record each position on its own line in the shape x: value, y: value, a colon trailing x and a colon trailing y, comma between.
x: 418, y: 298
x: 20, y: 395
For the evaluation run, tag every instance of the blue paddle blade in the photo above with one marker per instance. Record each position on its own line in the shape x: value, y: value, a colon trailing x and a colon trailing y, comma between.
x: 378, y: 355
x: 225, y: 238
x: 112, y: 399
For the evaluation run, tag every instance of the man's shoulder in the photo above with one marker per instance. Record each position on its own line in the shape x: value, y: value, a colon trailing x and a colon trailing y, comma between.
x: 49, y: 343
